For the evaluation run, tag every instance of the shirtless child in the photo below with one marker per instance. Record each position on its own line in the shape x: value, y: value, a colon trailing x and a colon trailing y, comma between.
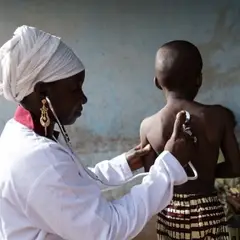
x: 195, y: 211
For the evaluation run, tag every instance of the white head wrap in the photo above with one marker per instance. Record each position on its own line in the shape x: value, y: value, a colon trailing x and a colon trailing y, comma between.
x: 32, y: 56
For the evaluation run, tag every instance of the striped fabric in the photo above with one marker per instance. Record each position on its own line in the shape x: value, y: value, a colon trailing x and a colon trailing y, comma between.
x: 191, y: 216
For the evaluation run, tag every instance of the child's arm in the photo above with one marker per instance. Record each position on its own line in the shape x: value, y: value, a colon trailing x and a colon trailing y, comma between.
x: 230, y: 168
x: 148, y: 160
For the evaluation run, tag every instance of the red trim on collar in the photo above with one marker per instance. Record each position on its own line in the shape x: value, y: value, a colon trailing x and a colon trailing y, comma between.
x: 24, y: 117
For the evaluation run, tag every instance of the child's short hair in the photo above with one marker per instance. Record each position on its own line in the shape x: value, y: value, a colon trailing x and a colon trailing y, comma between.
x: 178, y: 64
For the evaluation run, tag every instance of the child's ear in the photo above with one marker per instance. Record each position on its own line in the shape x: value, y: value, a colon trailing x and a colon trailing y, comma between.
x: 156, y: 83
x: 199, y: 81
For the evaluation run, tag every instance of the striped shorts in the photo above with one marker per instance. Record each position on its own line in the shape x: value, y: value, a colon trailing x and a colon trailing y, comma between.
x: 191, y: 216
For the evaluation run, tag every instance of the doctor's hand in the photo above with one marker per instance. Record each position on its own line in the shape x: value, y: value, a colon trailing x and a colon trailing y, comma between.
x: 134, y: 155
x: 181, y: 145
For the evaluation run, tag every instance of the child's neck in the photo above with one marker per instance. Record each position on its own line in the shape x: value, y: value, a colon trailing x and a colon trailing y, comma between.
x: 176, y: 96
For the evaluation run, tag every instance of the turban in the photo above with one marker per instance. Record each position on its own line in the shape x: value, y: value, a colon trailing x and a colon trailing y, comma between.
x: 33, y: 56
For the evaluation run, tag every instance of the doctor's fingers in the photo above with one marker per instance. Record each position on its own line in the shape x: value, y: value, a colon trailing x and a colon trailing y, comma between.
x: 178, y: 125
x: 143, y: 151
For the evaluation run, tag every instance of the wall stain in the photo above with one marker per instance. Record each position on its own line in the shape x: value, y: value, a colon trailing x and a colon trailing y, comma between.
x: 86, y: 141
x: 223, y: 33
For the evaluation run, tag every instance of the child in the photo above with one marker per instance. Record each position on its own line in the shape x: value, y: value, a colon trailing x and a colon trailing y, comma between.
x: 195, y: 211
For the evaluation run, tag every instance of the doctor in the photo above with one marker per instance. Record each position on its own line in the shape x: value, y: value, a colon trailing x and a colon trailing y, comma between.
x: 44, y: 193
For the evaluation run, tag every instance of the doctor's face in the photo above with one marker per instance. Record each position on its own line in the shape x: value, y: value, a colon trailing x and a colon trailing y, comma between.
x: 67, y: 98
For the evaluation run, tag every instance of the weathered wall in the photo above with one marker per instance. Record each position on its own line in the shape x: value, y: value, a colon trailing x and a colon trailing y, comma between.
x: 117, y: 41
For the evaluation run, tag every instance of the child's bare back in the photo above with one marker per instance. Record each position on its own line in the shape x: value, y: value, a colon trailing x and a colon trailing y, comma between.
x: 214, y: 127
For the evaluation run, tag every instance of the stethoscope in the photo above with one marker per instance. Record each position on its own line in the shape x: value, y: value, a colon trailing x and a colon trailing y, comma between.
x: 94, y: 176
x: 188, y: 131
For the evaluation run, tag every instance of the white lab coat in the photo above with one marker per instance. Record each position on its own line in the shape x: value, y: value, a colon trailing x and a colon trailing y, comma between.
x: 44, y: 195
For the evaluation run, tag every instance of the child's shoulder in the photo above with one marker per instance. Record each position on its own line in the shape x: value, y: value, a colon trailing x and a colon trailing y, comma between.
x: 158, y: 116
x: 158, y: 122
x: 220, y: 112
x: 220, y: 109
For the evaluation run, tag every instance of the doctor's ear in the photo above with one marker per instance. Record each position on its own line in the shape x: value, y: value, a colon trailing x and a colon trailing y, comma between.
x: 41, y: 89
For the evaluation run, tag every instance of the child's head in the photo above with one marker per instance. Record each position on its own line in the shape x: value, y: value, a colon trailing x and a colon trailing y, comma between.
x: 178, y: 68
